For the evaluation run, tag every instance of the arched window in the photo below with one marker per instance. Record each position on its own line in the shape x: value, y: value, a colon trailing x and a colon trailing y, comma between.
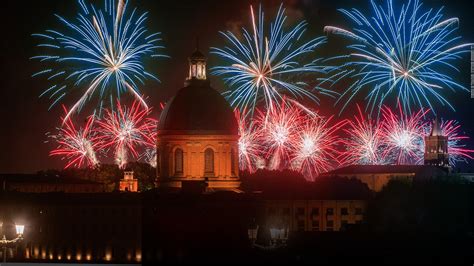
x: 178, y: 161
x: 209, y: 161
x: 232, y: 161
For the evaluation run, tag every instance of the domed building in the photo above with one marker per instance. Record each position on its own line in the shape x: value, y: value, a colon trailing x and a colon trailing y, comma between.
x: 198, y: 136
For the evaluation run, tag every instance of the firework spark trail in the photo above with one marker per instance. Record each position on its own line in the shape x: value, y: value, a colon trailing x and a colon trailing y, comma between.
x: 404, y: 136
x: 77, y: 146
x: 291, y: 136
x: 365, y: 142
x: 280, y: 126
x: 456, y: 149
x: 403, y: 54
x: 126, y: 129
x: 99, y: 51
x: 265, y: 66
x: 316, y: 148
x: 250, y: 147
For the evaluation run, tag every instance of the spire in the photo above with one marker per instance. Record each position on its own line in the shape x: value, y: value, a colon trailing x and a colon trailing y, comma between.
x: 436, y: 130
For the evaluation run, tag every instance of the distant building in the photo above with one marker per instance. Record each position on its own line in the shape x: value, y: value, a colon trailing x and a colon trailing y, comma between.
x: 197, y: 136
x: 377, y: 176
x: 328, y: 204
x: 40, y: 183
x: 436, y: 147
x: 314, y: 214
x: 75, y: 227
x: 128, y: 183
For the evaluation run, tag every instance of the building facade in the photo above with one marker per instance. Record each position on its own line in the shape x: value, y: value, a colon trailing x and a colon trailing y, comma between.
x: 313, y: 215
x: 377, y: 176
x: 198, y: 136
x: 74, y: 228
x: 37, y: 183
x: 128, y: 183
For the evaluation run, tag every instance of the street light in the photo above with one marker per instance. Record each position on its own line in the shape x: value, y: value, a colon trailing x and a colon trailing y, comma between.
x: 5, y: 242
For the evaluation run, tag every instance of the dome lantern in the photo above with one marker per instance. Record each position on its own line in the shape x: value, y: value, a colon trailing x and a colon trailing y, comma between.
x: 197, y: 65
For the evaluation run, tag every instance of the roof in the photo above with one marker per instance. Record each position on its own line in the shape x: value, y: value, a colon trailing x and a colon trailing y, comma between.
x: 385, y: 169
x: 342, y: 189
x: 41, y: 178
x: 197, y: 55
x: 198, y: 109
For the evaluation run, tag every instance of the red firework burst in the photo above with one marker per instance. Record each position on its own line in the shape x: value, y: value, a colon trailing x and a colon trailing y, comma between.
x: 403, y: 136
x: 126, y: 129
x: 250, y: 147
x: 316, y: 148
x: 365, y: 142
x: 280, y: 126
x: 456, y: 149
x: 76, y: 145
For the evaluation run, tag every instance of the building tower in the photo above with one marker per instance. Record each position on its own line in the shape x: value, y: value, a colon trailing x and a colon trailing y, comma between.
x: 436, y: 147
x: 198, y: 136
x: 128, y: 183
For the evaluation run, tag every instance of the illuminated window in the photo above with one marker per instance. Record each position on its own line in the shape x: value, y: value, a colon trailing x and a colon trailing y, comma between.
x: 178, y: 161
x: 209, y: 161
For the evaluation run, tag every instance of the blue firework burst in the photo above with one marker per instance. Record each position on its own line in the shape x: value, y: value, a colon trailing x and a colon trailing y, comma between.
x: 266, y: 65
x: 403, y: 53
x: 101, y: 53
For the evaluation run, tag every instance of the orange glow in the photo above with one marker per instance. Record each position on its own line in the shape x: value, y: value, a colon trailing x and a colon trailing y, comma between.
x: 108, y: 256
x: 138, y: 255
x: 36, y: 252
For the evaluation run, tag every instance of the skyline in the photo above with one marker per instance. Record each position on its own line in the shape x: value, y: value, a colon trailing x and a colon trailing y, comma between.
x: 21, y: 92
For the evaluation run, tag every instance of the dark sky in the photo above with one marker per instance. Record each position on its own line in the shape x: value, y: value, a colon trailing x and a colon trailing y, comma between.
x: 25, y: 118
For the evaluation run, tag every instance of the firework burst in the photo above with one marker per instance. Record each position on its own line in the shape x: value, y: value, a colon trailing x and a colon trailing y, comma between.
x: 316, y: 148
x: 76, y: 145
x: 403, y: 54
x: 250, y: 147
x: 365, y: 142
x: 100, y: 50
x: 268, y: 66
x: 125, y: 129
x: 280, y: 127
x: 404, y: 136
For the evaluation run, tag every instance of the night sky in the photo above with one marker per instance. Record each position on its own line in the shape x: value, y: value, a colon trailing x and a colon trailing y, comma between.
x: 25, y: 117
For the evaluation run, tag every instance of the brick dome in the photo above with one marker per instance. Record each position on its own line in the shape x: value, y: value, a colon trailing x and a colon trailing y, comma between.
x: 198, y: 109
